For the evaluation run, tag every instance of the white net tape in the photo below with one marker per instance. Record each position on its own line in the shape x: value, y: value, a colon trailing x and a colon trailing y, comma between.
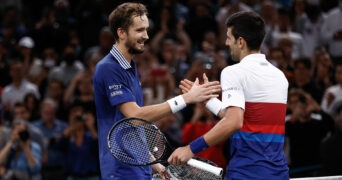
x: 319, y: 178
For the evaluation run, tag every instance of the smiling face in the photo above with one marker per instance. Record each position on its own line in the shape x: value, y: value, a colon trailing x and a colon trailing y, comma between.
x: 136, y: 35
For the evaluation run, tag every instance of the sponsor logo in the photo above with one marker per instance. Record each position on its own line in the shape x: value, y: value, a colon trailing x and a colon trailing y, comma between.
x: 231, y: 89
x: 115, y: 87
x: 115, y: 93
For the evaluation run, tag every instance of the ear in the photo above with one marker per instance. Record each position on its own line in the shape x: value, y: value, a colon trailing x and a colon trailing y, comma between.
x: 241, y: 42
x: 121, y: 33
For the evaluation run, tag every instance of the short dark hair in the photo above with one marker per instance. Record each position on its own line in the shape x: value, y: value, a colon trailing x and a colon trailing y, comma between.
x: 248, y: 25
x: 302, y: 60
x: 121, y: 17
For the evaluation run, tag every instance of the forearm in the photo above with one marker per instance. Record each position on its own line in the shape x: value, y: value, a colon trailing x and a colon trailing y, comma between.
x: 220, y: 132
x: 69, y: 92
x: 155, y: 42
x: 150, y: 113
x: 226, y: 127
x: 185, y: 40
x: 4, y: 152
x: 30, y: 158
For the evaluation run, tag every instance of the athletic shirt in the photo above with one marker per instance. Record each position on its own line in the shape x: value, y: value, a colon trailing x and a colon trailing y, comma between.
x: 115, y: 82
x: 260, y: 89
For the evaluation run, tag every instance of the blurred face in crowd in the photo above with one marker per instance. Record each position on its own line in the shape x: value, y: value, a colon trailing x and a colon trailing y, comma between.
x: 55, y: 89
x: 21, y: 112
x: 48, y: 111
x: 17, y: 71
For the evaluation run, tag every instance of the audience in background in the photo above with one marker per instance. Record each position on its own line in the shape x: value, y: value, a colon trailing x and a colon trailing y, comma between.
x: 305, y: 128
x: 52, y: 129
x: 49, y: 49
x: 21, y: 156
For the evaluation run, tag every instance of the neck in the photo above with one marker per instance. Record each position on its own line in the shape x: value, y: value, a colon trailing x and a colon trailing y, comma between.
x: 124, y: 51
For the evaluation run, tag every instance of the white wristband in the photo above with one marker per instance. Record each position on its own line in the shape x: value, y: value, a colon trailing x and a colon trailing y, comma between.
x: 214, y: 105
x: 177, y: 103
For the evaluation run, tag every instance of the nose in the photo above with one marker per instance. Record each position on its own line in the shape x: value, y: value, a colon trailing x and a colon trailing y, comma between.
x: 145, y: 36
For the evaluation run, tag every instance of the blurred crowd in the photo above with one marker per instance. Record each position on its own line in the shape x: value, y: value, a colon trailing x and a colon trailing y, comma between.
x: 49, y: 49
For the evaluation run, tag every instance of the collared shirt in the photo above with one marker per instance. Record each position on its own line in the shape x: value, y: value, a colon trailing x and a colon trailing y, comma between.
x: 259, y: 88
x: 55, y: 156
x: 115, y: 82
x: 19, y: 161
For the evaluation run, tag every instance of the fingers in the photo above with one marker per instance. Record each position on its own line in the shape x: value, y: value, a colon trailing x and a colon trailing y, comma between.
x: 205, y: 78
x: 196, y: 82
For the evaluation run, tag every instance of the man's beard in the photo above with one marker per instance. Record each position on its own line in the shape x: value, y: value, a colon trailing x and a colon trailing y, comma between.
x: 132, y: 49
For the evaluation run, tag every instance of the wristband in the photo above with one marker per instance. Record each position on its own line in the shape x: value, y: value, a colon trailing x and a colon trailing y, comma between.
x: 214, y: 105
x: 177, y: 103
x: 198, y: 145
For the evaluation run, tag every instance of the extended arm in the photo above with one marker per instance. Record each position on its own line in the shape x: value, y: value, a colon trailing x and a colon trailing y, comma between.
x: 197, y: 93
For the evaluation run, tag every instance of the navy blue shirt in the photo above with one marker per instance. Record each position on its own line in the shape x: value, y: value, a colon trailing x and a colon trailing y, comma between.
x: 116, y: 82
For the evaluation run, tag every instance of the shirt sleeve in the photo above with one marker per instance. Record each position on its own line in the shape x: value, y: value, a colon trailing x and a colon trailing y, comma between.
x: 232, y: 88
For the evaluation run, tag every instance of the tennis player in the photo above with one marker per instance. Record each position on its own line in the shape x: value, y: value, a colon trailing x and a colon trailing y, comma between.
x: 254, y: 96
x: 118, y: 93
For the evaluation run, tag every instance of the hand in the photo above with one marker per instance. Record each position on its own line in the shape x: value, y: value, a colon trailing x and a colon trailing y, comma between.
x: 185, y: 85
x: 181, y: 155
x: 161, y: 170
x: 203, y: 92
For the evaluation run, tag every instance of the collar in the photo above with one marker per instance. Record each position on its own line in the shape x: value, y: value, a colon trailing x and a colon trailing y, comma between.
x: 120, y: 58
x: 254, y: 57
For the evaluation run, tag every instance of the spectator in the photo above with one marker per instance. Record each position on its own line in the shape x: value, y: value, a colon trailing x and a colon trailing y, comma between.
x: 323, y: 68
x: 18, y: 88
x: 333, y: 95
x: 56, y: 91
x: 331, y: 149
x: 31, y: 62
x: 169, y: 27
x: 306, y: 126
x: 309, y: 26
x: 276, y: 56
x: 69, y: 67
x: 21, y: 155
x: 52, y: 129
x: 48, y: 32
x: 105, y: 43
x: 21, y: 114
x: 32, y: 103
x: 79, y: 144
x: 283, y: 30
x: 201, y: 21
x: 303, y: 79
x: 81, y: 92
x: 331, y: 32
x: 227, y: 8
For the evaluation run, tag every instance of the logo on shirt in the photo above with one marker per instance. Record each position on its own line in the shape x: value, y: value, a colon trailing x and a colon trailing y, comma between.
x: 115, y: 87
x: 231, y: 89
x: 115, y: 93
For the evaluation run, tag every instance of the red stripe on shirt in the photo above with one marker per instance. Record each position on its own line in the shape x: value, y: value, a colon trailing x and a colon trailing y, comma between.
x: 263, y: 117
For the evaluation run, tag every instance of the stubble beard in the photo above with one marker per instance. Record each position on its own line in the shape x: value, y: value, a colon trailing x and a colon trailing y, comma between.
x: 132, y: 50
